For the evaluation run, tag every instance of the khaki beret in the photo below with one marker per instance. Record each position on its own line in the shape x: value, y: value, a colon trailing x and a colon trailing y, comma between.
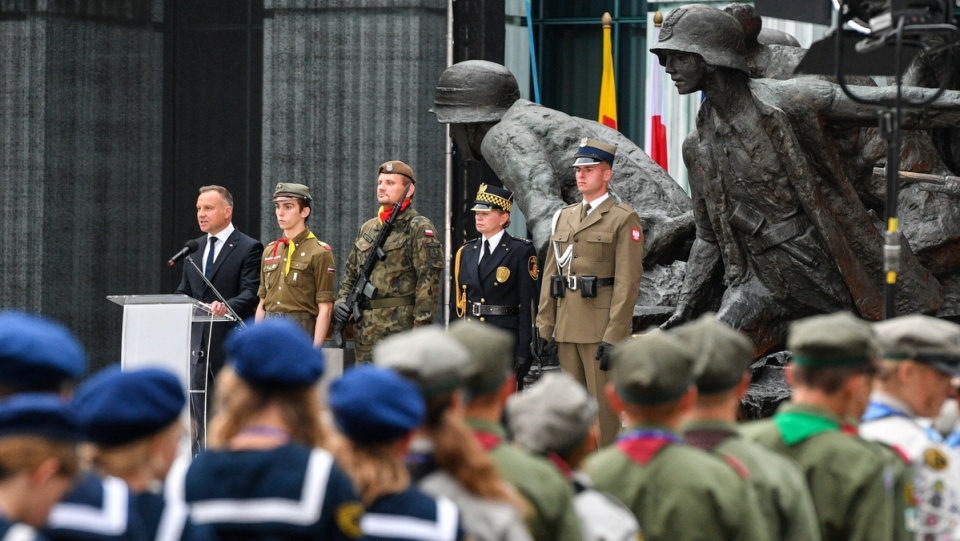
x: 723, y: 353
x: 491, y: 351
x: 287, y: 191
x: 922, y: 338
x: 828, y: 341
x: 554, y: 415
x: 654, y: 368
x: 428, y: 356
x: 396, y: 167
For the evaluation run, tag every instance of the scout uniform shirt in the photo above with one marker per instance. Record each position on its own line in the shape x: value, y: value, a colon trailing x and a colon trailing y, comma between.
x: 677, y: 492
x: 550, y: 496
x: 297, y: 276
x: 411, y: 515
x: 781, y: 489
x: 407, y: 280
x: 935, y: 470
x: 853, y: 486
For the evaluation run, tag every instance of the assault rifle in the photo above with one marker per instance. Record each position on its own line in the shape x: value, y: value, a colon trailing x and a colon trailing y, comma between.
x: 362, y: 289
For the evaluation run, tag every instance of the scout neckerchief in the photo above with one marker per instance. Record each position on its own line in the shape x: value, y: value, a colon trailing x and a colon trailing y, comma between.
x: 487, y: 440
x: 879, y: 410
x: 384, y: 213
x: 561, y: 465
x: 291, y: 248
x: 798, y: 426
x: 642, y: 445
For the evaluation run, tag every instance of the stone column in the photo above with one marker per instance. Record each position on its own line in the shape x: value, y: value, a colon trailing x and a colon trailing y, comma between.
x: 80, y: 158
x: 347, y: 86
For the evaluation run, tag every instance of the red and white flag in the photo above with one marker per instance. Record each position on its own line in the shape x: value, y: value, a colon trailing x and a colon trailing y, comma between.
x: 657, y: 145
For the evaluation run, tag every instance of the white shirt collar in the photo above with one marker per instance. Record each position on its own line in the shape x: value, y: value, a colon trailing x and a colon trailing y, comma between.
x: 494, y: 240
x: 223, y: 235
x: 597, y: 202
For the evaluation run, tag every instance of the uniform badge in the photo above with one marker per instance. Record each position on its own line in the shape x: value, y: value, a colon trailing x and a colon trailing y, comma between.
x: 331, y: 270
x: 503, y: 274
x: 389, y: 167
x: 348, y: 519
x: 935, y: 459
x: 635, y: 234
x: 428, y: 232
x: 533, y: 269
x: 583, y: 142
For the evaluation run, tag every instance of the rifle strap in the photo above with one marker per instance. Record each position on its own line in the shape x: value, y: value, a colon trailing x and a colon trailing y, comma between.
x: 390, y: 302
x: 461, y: 293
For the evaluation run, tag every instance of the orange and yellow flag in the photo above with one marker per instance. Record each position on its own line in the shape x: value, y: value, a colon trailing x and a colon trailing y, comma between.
x: 608, y: 90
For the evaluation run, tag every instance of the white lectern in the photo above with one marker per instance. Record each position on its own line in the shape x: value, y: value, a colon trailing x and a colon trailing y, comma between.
x: 157, y: 333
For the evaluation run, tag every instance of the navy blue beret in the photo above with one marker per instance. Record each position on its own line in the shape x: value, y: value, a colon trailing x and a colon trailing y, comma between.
x: 117, y: 407
x: 36, y: 353
x: 274, y: 353
x: 375, y: 405
x: 38, y: 414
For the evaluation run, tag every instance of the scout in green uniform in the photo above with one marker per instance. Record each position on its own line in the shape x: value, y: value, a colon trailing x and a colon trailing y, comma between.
x: 489, y: 382
x: 408, y: 279
x: 677, y: 492
x: 593, y: 267
x: 724, y: 356
x: 298, y: 269
x: 854, y: 485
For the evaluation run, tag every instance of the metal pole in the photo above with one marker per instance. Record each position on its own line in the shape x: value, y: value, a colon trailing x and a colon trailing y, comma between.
x: 448, y: 188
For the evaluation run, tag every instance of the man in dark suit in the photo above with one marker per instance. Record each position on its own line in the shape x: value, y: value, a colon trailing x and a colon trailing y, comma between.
x: 231, y: 261
x: 496, y: 274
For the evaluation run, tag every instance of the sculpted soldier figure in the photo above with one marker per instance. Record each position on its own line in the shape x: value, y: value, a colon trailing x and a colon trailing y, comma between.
x: 773, y: 205
x: 530, y: 148
x: 408, y: 279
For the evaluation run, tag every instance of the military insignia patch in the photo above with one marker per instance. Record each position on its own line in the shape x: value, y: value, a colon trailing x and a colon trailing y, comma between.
x: 348, y: 519
x: 533, y: 268
x: 503, y: 274
x: 428, y: 232
x: 389, y: 167
x: 936, y: 459
x: 635, y: 234
x: 331, y: 270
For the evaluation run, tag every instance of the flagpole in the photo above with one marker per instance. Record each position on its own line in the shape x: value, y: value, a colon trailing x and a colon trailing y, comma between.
x: 448, y: 188
x: 607, y: 114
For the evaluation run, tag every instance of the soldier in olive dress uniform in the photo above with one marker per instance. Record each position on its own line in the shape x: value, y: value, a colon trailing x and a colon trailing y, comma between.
x: 594, y: 262
x: 407, y: 280
x: 496, y: 275
x: 298, y: 269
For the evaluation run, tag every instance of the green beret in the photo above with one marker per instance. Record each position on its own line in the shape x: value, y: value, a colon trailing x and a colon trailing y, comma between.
x: 723, y: 353
x: 287, y: 191
x: 652, y: 369
x: 831, y: 341
x: 429, y: 357
x: 922, y: 338
x: 491, y: 352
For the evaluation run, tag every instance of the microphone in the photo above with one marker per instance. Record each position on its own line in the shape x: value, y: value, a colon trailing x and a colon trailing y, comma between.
x: 190, y: 247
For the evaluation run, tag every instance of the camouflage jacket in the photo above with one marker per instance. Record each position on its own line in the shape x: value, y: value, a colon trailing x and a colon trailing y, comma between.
x: 411, y: 269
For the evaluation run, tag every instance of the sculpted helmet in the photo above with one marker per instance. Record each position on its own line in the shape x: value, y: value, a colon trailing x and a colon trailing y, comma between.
x: 474, y: 91
x: 704, y: 30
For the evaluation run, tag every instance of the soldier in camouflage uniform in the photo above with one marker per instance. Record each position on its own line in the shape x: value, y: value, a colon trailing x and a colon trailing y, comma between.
x: 408, y: 280
x: 298, y: 269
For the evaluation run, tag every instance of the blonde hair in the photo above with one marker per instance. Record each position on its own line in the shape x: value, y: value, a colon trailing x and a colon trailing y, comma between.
x: 458, y: 452
x: 24, y: 454
x: 237, y: 402
x: 375, y: 469
x: 124, y: 461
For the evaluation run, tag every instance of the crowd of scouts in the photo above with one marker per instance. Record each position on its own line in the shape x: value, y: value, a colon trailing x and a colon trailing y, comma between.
x: 431, y: 441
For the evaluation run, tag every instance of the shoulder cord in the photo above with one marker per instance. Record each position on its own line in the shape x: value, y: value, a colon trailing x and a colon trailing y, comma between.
x: 461, y: 303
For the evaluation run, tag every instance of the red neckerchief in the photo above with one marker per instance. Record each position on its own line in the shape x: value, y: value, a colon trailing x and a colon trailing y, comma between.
x: 281, y: 240
x: 487, y: 440
x: 386, y: 212
x: 642, y: 445
x: 561, y: 464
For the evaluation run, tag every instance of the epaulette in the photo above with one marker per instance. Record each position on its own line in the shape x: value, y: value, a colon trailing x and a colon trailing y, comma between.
x: 523, y: 240
x: 324, y: 244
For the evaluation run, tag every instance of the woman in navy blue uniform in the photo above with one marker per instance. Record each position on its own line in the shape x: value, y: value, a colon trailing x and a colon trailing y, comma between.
x: 378, y: 411
x: 38, y: 460
x: 496, y: 275
x: 266, y: 474
x: 132, y: 420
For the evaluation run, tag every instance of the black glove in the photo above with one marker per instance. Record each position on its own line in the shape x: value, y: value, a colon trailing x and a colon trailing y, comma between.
x: 603, y: 355
x: 521, y: 366
x: 539, y: 349
x: 341, y: 312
